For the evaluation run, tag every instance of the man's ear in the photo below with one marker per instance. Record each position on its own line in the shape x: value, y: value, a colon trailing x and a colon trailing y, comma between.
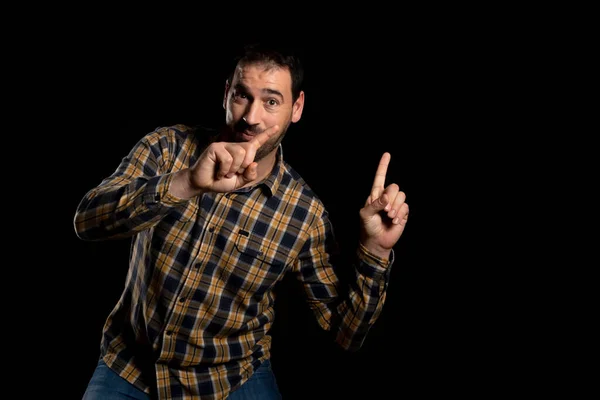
x: 298, y: 107
x: 225, y: 93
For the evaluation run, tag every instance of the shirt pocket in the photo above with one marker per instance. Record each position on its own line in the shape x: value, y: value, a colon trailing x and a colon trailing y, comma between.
x: 255, y: 265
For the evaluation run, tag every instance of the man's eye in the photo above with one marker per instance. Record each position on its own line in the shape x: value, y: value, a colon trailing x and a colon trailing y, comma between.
x: 240, y: 97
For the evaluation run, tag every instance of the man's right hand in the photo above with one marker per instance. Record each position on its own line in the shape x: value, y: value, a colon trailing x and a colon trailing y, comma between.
x: 222, y: 167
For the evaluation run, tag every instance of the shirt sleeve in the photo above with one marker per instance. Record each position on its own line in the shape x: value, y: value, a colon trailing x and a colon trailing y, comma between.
x: 135, y: 197
x: 350, y: 311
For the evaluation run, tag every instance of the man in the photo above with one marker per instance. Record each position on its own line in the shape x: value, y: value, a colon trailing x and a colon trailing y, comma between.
x: 217, y: 219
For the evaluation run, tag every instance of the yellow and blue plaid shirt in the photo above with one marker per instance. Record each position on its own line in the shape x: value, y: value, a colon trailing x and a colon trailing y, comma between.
x: 194, y: 317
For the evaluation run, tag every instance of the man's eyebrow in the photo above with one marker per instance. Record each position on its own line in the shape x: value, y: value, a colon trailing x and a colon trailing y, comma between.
x: 273, y: 92
x: 243, y: 88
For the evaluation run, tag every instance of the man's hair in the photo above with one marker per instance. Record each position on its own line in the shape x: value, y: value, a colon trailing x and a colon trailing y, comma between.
x: 273, y: 55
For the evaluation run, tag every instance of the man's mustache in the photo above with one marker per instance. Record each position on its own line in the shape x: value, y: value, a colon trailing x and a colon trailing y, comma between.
x: 243, y: 126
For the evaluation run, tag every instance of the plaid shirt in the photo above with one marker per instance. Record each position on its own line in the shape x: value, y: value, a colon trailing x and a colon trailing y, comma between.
x: 194, y: 316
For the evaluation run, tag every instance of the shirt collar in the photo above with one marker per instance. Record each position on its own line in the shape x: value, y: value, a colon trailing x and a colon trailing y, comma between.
x: 273, y: 180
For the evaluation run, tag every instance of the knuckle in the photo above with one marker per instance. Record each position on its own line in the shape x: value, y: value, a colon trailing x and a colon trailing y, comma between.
x: 240, y: 151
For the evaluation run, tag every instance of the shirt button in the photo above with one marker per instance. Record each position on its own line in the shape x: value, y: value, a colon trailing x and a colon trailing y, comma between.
x: 211, y: 229
x: 181, y: 300
x: 169, y: 333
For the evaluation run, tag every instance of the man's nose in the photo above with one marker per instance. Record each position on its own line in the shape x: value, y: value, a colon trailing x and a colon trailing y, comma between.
x: 253, y: 114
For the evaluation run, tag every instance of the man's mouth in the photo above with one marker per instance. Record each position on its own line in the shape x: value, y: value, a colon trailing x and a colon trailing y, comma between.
x: 247, y: 135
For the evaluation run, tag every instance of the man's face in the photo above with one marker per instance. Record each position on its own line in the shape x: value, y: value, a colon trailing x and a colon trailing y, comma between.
x: 259, y: 97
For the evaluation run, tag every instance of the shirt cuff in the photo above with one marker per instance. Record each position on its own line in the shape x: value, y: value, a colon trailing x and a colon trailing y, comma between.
x: 157, y: 192
x: 373, y: 266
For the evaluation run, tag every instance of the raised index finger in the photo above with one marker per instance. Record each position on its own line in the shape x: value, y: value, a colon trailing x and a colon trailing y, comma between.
x: 265, y: 135
x: 379, y: 181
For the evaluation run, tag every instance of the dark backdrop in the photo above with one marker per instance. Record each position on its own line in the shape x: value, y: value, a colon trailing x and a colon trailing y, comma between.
x: 419, y: 98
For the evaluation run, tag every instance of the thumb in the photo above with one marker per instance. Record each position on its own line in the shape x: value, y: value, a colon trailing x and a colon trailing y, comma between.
x: 250, y: 173
x: 377, y: 205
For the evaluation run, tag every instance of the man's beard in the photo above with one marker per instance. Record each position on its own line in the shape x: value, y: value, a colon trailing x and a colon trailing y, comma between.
x: 269, y: 146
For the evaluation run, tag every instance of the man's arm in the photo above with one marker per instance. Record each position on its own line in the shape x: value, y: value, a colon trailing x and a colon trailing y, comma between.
x: 347, y: 312
x: 135, y: 197
x: 382, y: 222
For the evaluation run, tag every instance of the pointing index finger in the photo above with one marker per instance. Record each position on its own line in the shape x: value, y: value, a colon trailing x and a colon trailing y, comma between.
x: 379, y: 181
x: 262, y: 137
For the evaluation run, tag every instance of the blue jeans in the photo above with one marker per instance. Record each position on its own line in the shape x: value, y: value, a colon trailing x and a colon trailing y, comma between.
x: 106, y: 384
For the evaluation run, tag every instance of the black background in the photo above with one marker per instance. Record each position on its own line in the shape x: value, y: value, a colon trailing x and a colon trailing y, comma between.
x: 434, y: 96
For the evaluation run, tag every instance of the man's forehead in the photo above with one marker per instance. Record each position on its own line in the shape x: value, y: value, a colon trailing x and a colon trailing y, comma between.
x: 272, y: 75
